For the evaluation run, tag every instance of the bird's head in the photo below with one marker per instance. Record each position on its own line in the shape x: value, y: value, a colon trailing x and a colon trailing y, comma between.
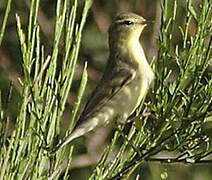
x: 125, y: 27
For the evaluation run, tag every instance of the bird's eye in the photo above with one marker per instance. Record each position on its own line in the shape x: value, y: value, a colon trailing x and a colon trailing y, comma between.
x: 127, y: 22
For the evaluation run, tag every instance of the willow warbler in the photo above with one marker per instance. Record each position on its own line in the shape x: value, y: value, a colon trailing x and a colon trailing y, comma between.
x: 125, y: 81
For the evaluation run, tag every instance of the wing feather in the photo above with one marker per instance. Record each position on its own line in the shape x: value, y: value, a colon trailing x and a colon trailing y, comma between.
x: 113, y: 80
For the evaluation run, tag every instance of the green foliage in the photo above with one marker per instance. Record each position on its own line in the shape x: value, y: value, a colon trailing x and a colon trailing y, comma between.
x: 175, y: 118
x: 177, y: 111
x: 45, y: 89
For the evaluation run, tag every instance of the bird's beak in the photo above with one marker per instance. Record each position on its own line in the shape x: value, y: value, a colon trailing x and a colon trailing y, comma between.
x: 147, y: 22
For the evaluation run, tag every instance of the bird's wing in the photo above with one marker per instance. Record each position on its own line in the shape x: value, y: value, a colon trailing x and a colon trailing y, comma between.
x: 113, y: 80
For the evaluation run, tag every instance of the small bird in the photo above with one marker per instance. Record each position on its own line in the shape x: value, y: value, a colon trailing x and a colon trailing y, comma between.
x: 125, y: 81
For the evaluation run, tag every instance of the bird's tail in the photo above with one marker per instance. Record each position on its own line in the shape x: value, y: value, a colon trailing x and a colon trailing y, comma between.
x: 82, y: 129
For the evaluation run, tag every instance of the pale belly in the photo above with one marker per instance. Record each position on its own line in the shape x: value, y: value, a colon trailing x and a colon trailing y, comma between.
x: 123, y: 104
x: 128, y: 99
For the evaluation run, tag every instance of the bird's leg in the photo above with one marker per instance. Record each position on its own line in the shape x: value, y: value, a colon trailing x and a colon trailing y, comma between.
x: 120, y: 128
x: 144, y: 114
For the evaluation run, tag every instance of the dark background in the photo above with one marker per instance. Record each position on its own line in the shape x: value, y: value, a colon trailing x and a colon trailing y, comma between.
x: 94, y: 49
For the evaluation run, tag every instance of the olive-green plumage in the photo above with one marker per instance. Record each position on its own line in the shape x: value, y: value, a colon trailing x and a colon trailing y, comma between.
x: 125, y: 81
